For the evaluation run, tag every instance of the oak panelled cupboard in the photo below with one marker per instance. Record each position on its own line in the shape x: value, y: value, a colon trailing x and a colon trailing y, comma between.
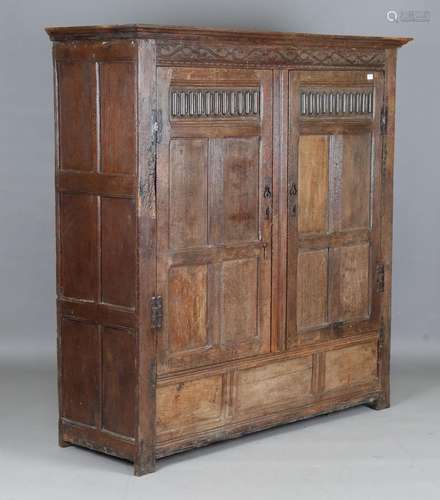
x: 224, y: 224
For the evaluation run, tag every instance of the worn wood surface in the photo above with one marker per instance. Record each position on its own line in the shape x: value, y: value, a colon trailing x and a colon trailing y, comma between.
x: 213, y: 168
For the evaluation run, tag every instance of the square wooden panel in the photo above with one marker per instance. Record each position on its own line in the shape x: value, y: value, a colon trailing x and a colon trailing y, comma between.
x: 272, y: 385
x: 313, y: 169
x: 78, y: 246
x: 239, y: 300
x: 188, y: 179
x: 350, y: 182
x: 350, y: 289
x: 233, y: 190
x: 350, y: 366
x: 77, y: 115
x: 193, y: 404
x: 80, y: 372
x: 312, y: 295
x: 118, y: 381
x: 118, y: 251
x: 188, y: 314
x: 117, y: 105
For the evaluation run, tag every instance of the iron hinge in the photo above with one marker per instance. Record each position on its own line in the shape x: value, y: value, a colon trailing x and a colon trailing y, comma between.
x: 380, y: 278
x: 157, y: 126
x: 384, y: 120
x: 156, y: 312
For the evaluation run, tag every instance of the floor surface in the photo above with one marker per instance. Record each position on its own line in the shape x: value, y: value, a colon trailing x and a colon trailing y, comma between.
x: 356, y: 454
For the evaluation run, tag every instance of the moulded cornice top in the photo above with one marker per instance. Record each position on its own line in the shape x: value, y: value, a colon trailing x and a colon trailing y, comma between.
x: 130, y: 31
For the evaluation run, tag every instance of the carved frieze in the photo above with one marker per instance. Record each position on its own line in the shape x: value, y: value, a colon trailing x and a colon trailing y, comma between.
x: 181, y: 52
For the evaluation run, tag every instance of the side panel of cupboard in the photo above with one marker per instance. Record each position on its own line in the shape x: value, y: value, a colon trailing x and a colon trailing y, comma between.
x: 96, y: 183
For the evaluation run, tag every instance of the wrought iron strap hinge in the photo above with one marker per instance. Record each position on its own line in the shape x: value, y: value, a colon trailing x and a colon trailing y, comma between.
x: 157, y: 125
x: 380, y: 278
x: 384, y: 120
x: 156, y: 312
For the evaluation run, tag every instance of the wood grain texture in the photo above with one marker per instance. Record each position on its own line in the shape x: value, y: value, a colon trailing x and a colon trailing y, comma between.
x: 80, y: 372
x: 349, y: 295
x: 313, y: 184
x: 312, y: 289
x: 77, y: 116
x: 189, y: 405
x: 350, y: 366
x: 79, y: 246
x: 188, y: 292
x: 117, y: 104
x: 188, y: 185
x: 273, y: 385
x: 118, y: 251
x: 350, y: 182
x: 118, y: 381
x: 239, y: 300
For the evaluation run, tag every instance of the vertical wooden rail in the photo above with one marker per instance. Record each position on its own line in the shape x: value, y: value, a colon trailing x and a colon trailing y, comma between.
x: 146, y: 247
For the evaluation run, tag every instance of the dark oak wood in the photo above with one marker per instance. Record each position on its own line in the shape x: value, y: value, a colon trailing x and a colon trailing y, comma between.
x: 224, y: 229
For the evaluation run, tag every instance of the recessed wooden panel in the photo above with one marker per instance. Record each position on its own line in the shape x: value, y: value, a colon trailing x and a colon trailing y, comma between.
x: 77, y: 115
x: 118, y: 247
x: 187, y: 307
x: 312, y: 183
x: 350, y: 366
x: 312, y: 295
x: 233, y: 184
x: 188, y: 193
x: 118, y: 117
x: 118, y: 381
x: 273, y: 384
x: 189, y: 404
x: 80, y: 371
x: 240, y: 300
x: 350, y: 182
x: 350, y: 278
x: 78, y: 245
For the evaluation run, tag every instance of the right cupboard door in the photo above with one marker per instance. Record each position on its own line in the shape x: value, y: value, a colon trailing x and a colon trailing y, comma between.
x: 334, y: 185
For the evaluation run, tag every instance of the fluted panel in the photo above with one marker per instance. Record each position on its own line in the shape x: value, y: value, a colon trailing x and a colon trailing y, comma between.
x: 336, y: 102
x: 207, y: 103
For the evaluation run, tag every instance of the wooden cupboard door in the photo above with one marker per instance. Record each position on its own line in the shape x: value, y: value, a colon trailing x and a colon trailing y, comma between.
x: 334, y: 184
x: 214, y: 195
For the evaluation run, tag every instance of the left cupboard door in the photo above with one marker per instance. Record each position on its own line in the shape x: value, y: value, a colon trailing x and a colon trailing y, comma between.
x: 214, y: 195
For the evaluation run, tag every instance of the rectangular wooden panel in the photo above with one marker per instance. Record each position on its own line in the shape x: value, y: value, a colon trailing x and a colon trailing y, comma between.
x: 233, y: 190
x: 350, y: 290
x: 78, y: 246
x: 313, y: 154
x: 118, y: 381
x: 117, y: 117
x: 239, y: 300
x: 190, y: 404
x: 77, y: 115
x: 188, y: 193
x: 187, y: 308
x: 351, y: 365
x: 350, y: 182
x: 118, y: 247
x: 312, y: 294
x: 80, y: 363
x: 272, y: 385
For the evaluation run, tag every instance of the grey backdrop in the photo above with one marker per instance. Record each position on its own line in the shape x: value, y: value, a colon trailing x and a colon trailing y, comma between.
x: 27, y: 279
x: 353, y: 455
